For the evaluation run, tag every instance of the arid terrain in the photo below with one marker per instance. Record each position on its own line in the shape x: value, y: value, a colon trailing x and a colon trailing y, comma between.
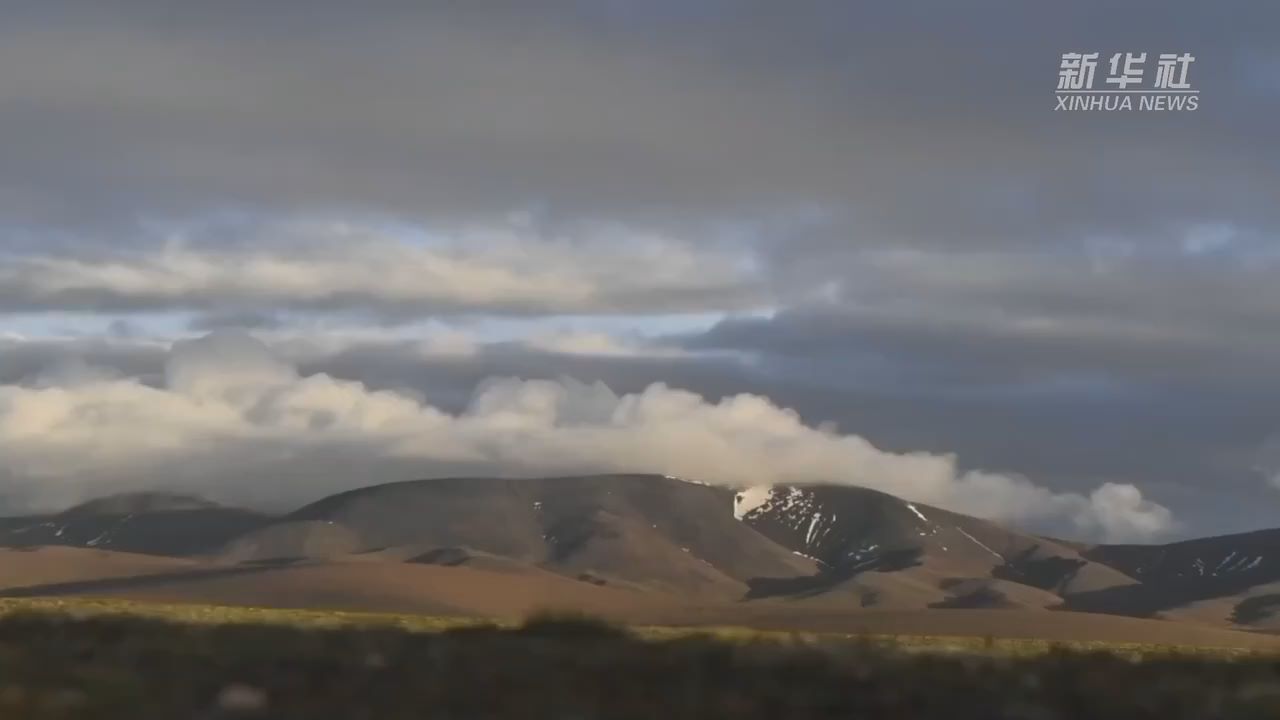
x: 651, y: 550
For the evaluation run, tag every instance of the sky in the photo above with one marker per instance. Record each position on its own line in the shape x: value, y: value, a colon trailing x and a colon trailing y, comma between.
x: 268, y: 251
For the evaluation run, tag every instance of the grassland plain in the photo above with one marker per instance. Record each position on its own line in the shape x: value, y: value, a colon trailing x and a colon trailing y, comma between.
x: 108, y: 659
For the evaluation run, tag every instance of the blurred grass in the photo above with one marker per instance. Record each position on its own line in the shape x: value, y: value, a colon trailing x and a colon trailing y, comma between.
x: 105, y: 659
x: 81, y: 607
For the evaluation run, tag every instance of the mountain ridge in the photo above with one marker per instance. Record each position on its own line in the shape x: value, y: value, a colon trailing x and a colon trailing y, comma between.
x: 824, y: 547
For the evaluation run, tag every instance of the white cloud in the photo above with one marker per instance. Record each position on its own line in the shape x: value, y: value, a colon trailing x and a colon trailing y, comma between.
x: 511, y: 268
x: 235, y: 422
x: 1121, y: 513
x: 597, y: 343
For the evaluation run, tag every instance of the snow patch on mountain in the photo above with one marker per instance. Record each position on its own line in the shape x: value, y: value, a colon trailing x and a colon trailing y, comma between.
x: 751, y: 499
x: 687, y: 480
x: 813, y: 527
x: 979, y: 543
x: 793, y: 507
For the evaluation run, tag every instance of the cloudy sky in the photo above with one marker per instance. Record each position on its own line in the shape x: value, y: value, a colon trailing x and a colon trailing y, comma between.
x: 266, y: 251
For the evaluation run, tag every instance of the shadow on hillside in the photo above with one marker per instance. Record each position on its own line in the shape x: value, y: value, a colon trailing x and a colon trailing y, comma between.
x: 980, y: 598
x: 447, y: 556
x: 1251, y: 610
x: 1050, y: 573
x: 830, y: 577
x: 170, y: 533
x: 274, y: 561
x: 1149, y: 599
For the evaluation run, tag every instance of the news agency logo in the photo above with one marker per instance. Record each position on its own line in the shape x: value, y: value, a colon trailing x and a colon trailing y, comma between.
x: 1169, y: 90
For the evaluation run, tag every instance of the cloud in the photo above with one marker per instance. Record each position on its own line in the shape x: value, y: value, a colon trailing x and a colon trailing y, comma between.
x: 1075, y: 297
x: 597, y: 344
x: 353, y: 268
x: 243, y: 320
x: 235, y: 422
x: 1120, y: 512
x: 1150, y: 314
x: 628, y: 110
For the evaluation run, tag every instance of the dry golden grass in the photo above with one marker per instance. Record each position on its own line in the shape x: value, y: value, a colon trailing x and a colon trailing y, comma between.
x: 192, y: 613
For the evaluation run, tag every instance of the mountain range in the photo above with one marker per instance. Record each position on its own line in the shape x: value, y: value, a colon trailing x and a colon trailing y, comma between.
x: 651, y: 548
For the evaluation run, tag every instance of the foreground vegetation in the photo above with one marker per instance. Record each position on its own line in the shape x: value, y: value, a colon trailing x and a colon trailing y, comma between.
x: 191, y: 613
x: 101, y: 659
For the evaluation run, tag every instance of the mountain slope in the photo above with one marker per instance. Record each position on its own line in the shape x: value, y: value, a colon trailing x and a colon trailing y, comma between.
x: 27, y: 567
x: 886, y: 551
x: 1236, y: 577
x: 150, y: 523
x: 667, y: 533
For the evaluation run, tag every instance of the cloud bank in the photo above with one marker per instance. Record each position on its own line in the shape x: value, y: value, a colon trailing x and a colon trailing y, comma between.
x: 234, y: 422
x: 500, y: 268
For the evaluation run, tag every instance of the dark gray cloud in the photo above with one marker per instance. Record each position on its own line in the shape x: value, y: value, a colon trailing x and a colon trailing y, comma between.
x: 918, y: 120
